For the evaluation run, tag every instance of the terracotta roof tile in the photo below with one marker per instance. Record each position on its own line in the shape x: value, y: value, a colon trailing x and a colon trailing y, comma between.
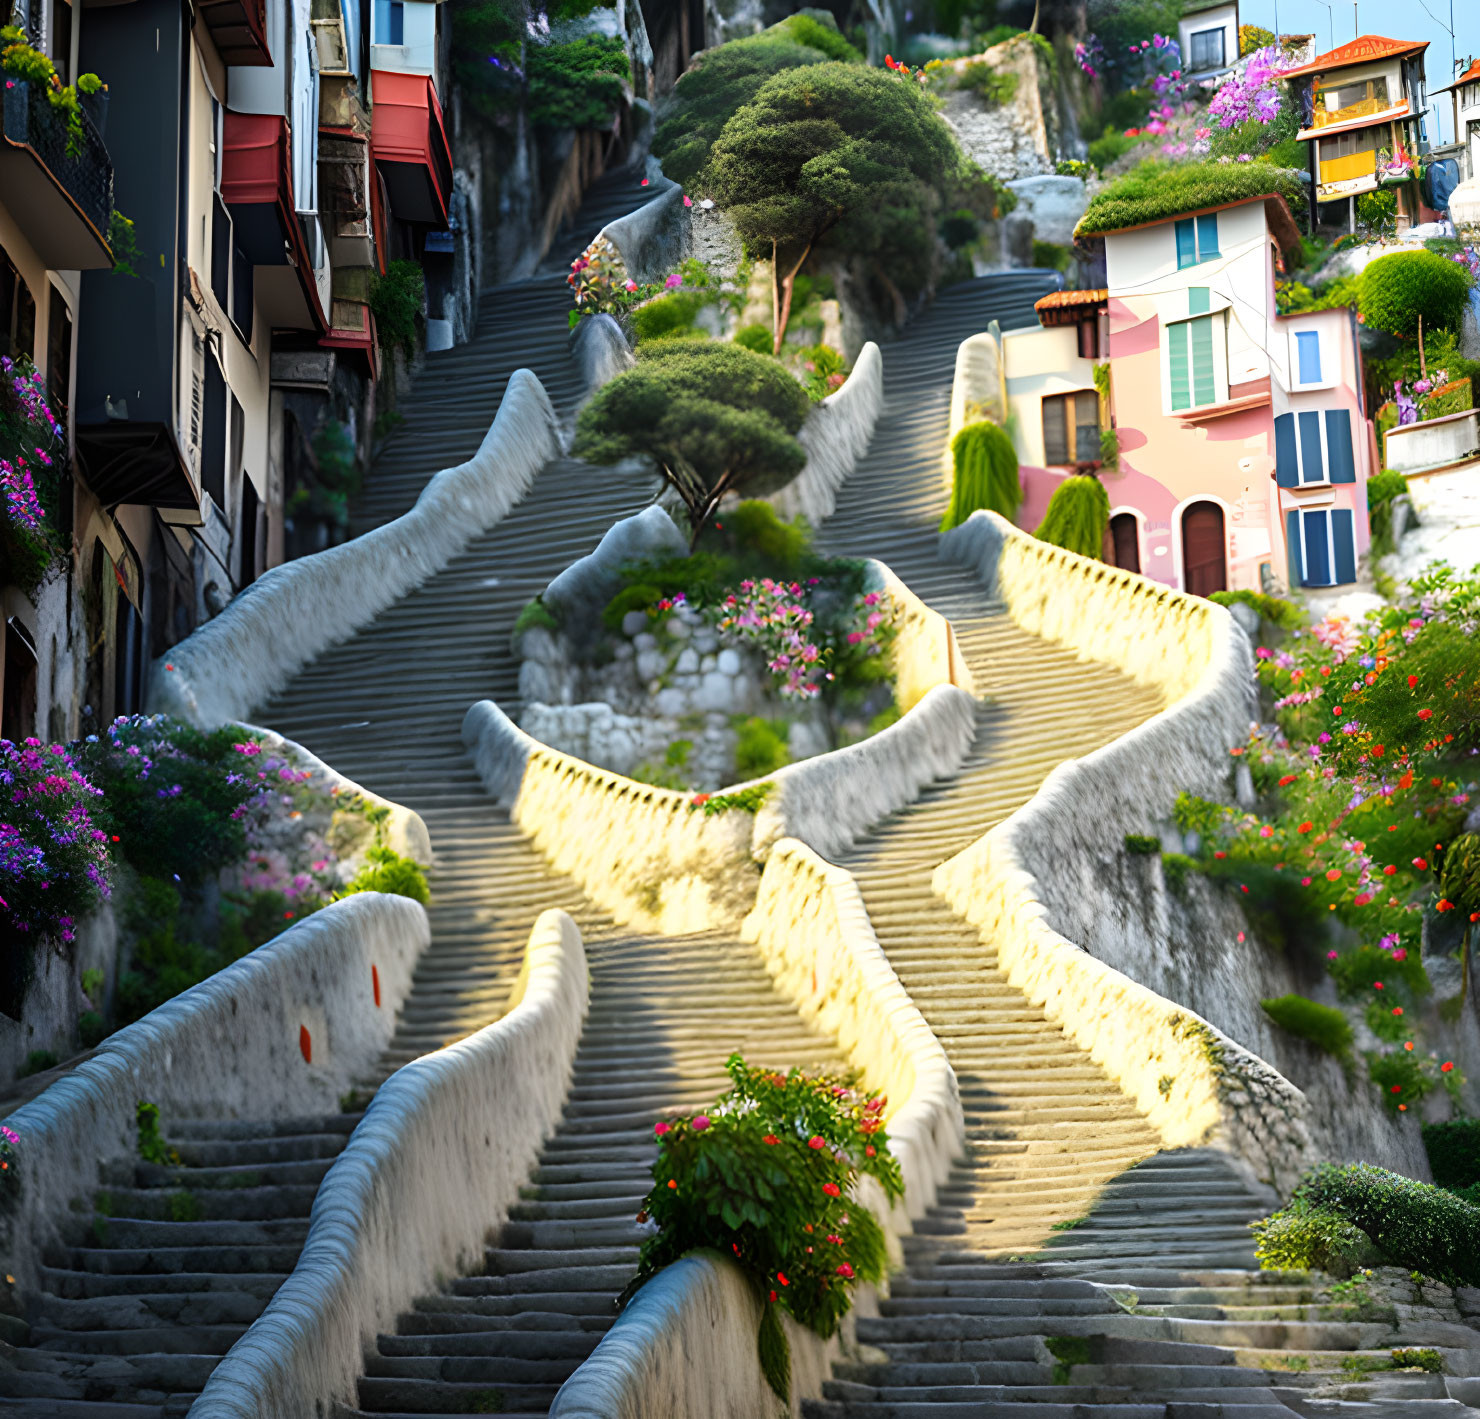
x: 1365, y: 49
x: 1055, y: 299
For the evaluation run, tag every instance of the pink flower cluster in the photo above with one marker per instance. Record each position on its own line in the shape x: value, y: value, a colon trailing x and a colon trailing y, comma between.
x: 1253, y: 91
x: 770, y: 615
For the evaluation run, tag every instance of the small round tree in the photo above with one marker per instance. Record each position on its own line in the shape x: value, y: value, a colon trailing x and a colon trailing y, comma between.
x: 1400, y: 290
x: 1078, y: 515
x: 836, y: 155
x: 714, y: 418
x: 986, y: 474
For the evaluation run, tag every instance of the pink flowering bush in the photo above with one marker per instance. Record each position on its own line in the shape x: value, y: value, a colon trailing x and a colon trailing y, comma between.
x: 768, y: 1176
x: 31, y: 443
x: 1253, y: 91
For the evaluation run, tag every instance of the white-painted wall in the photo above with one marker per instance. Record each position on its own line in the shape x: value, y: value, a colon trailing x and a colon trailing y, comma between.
x: 1041, y: 361
x: 1224, y: 17
x: 417, y: 54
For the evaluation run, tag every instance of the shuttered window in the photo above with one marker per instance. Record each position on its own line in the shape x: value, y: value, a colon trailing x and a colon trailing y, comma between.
x: 1323, y: 546
x: 1071, y: 428
x: 1314, y: 446
x: 1190, y: 351
x: 1197, y: 240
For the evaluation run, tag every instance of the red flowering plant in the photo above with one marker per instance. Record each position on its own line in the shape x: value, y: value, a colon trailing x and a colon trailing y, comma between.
x: 1366, y: 785
x: 767, y: 1177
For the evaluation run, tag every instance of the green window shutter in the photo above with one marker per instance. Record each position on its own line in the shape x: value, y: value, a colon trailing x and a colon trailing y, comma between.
x: 1199, y: 300
x: 1181, y: 381
x: 1203, y: 389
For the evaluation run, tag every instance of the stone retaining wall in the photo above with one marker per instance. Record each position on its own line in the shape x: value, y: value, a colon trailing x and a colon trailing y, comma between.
x: 430, y: 1172
x: 298, y: 609
x: 1194, y: 1084
x: 283, y: 1031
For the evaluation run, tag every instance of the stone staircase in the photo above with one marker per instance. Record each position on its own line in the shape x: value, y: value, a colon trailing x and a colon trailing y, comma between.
x: 175, y: 1262
x: 665, y: 1014
x: 1068, y: 1268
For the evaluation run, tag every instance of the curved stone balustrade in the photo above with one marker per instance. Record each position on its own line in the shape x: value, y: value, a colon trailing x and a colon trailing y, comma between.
x: 436, y: 1163
x: 1195, y: 1085
x: 298, y: 609
x: 286, y: 1029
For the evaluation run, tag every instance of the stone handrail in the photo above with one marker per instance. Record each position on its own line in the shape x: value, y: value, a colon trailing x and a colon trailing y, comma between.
x: 652, y: 240
x: 685, y: 1346
x: 814, y: 933
x: 298, y: 609
x: 432, y: 1169
x: 977, y: 389
x: 1194, y: 1084
x: 283, y: 1031
x: 405, y: 831
x: 836, y: 435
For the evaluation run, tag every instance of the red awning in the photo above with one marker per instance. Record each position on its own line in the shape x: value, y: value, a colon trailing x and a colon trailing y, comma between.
x: 409, y: 142
x: 257, y: 186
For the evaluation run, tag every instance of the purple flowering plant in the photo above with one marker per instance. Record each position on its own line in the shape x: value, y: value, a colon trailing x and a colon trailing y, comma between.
x: 32, y: 445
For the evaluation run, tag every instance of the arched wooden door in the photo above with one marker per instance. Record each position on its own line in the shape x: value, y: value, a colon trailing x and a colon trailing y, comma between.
x: 1204, y: 564
x: 1125, y: 542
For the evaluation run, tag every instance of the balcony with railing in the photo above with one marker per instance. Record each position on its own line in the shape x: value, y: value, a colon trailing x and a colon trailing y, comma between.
x: 56, y: 179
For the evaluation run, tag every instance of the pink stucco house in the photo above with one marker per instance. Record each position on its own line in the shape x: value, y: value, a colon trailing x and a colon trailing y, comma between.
x: 1244, y: 443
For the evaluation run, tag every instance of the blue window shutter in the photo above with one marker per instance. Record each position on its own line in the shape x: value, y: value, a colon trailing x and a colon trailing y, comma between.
x: 1339, y: 445
x: 1310, y: 447
x: 1286, y: 466
x: 1204, y: 390
x: 1343, y: 546
x: 1207, y: 237
x: 1186, y: 243
x: 1292, y: 547
x: 1308, y: 346
x: 1317, y: 552
x: 1199, y: 299
x: 1181, y: 380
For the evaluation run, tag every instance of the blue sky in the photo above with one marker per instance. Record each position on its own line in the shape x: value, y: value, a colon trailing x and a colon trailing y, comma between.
x: 1414, y: 19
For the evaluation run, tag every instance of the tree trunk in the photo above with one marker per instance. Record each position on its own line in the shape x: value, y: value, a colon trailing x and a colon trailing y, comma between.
x: 775, y: 299
x: 1033, y: 28
x: 789, y: 287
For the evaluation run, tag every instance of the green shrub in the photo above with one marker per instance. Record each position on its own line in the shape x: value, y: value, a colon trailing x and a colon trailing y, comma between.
x: 992, y: 86
x: 817, y: 29
x: 1142, y: 845
x: 986, y: 474
x: 1356, y: 973
x: 1252, y: 37
x: 637, y: 597
x: 1397, y: 290
x: 767, y: 1176
x: 960, y: 228
x: 668, y: 316
x: 760, y: 749
x: 1077, y: 516
x: 1387, y: 1022
x: 1072, y: 167
x: 151, y: 1145
x: 1382, y: 491
x: 1374, y: 208
x: 1109, y: 148
x: 755, y: 337
x: 1454, y: 1151
x: 1400, y: 1078
x: 1051, y: 256
x: 387, y: 871
x: 1157, y: 191
x: 535, y: 614
x: 757, y: 532
x: 1323, y: 1025
x: 395, y: 301
x: 1176, y: 867
x: 1304, y: 1237
x: 1416, y: 1226
x: 1284, y: 614
x: 577, y: 85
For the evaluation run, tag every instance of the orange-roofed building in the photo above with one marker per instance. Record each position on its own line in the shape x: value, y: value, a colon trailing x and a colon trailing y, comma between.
x: 1465, y: 95
x: 1362, y: 107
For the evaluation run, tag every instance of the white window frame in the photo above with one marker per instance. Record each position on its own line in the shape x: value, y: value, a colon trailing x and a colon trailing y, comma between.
x: 1327, y: 379
x: 1219, y: 317
x: 1194, y: 35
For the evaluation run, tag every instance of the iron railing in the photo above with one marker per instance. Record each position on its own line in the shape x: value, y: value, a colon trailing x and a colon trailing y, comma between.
x: 79, y: 164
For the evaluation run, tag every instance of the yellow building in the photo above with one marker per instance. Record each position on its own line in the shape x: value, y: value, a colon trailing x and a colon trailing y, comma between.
x: 1362, y: 108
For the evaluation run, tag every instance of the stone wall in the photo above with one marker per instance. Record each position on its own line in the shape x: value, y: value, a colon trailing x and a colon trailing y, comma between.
x: 283, y: 1031
x: 1031, y: 878
x: 435, y: 1164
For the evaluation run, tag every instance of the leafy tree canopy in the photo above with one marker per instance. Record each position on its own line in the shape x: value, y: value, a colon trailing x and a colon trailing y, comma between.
x: 855, y: 158
x: 714, y: 418
x: 1399, y: 290
x: 577, y: 85
x: 724, y: 79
